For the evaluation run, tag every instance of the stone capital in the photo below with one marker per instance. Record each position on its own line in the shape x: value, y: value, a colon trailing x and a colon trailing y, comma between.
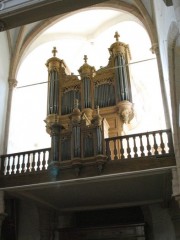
x: 12, y: 83
x: 155, y: 48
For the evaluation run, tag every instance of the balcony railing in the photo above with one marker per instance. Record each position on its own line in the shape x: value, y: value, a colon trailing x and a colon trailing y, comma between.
x: 156, y: 143
x: 25, y: 162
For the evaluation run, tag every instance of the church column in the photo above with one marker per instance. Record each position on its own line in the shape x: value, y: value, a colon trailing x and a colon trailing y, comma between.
x: 176, y: 5
x: 155, y: 49
x: 12, y: 85
x: 162, y: 224
x: 45, y: 223
x: 2, y: 213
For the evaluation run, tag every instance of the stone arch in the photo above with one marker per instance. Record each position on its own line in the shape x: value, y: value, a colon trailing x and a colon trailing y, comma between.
x: 138, y: 11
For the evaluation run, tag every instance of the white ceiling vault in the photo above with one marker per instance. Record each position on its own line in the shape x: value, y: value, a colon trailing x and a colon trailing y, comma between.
x: 86, y: 33
x: 23, y: 39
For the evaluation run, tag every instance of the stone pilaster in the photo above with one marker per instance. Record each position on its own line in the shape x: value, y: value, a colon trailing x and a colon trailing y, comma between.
x: 12, y: 85
x: 176, y: 185
x: 155, y: 50
x: 2, y: 213
x: 45, y: 223
x: 161, y: 223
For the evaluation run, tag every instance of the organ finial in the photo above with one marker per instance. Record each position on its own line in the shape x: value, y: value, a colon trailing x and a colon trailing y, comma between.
x: 54, y: 51
x: 116, y: 36
x: 85, y: 58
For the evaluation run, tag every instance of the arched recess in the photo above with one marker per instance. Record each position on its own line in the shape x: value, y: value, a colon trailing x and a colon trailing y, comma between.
x: 174, y: 83
x: 140, y: 12
x: 137, y: 10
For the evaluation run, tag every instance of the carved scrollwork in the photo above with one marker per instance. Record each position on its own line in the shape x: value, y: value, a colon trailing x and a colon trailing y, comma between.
x: 103, y: 81
x: 77, y: 165
x: 71, y: 88
x: 53, y: 124
x: 126, y: 115
x: 126, y: 111
x: 71, y: 78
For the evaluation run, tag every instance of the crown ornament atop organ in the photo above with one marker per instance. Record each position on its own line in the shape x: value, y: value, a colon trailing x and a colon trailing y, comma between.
x: 89, y: 109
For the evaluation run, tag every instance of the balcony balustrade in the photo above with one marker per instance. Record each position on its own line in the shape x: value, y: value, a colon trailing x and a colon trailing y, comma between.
x: 143, y: 145
x: 156, y: 143
x: 25, y: 162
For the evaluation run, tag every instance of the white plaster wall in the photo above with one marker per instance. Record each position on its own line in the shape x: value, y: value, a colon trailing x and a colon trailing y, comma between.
x: 175, y: 85
x: 4, y: 72
x: 176, y: 5
x: 164, y: 16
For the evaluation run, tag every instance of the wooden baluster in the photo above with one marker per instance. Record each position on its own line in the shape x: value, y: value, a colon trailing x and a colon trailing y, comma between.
x: 148, y: 145
x: 155, y: 145
x: 23, y: 164
x: 162, y: 143
x: 122, y: 149
x: 170, y: 142
x: 115, y: 150
x: 44, y: 161
x: 18, y: 164
x: 48, y: 161
x: 28, y: 163
x: 128, y: 148
x: 4, y: 164
x: 135, y: 147
x: 108, y: 151
x: 8, y: 165
x: 38, y: 161
x: 13, y: 165
x: 2, y: 169
x: 47, y: 157
x: 33, y: 163
x: 141, y: 146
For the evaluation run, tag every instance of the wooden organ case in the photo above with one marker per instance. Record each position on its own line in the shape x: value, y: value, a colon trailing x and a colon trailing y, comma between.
x: 83, y: 111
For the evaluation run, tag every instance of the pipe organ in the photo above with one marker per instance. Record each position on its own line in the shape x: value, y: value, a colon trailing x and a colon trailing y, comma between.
x: 82, y: 112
